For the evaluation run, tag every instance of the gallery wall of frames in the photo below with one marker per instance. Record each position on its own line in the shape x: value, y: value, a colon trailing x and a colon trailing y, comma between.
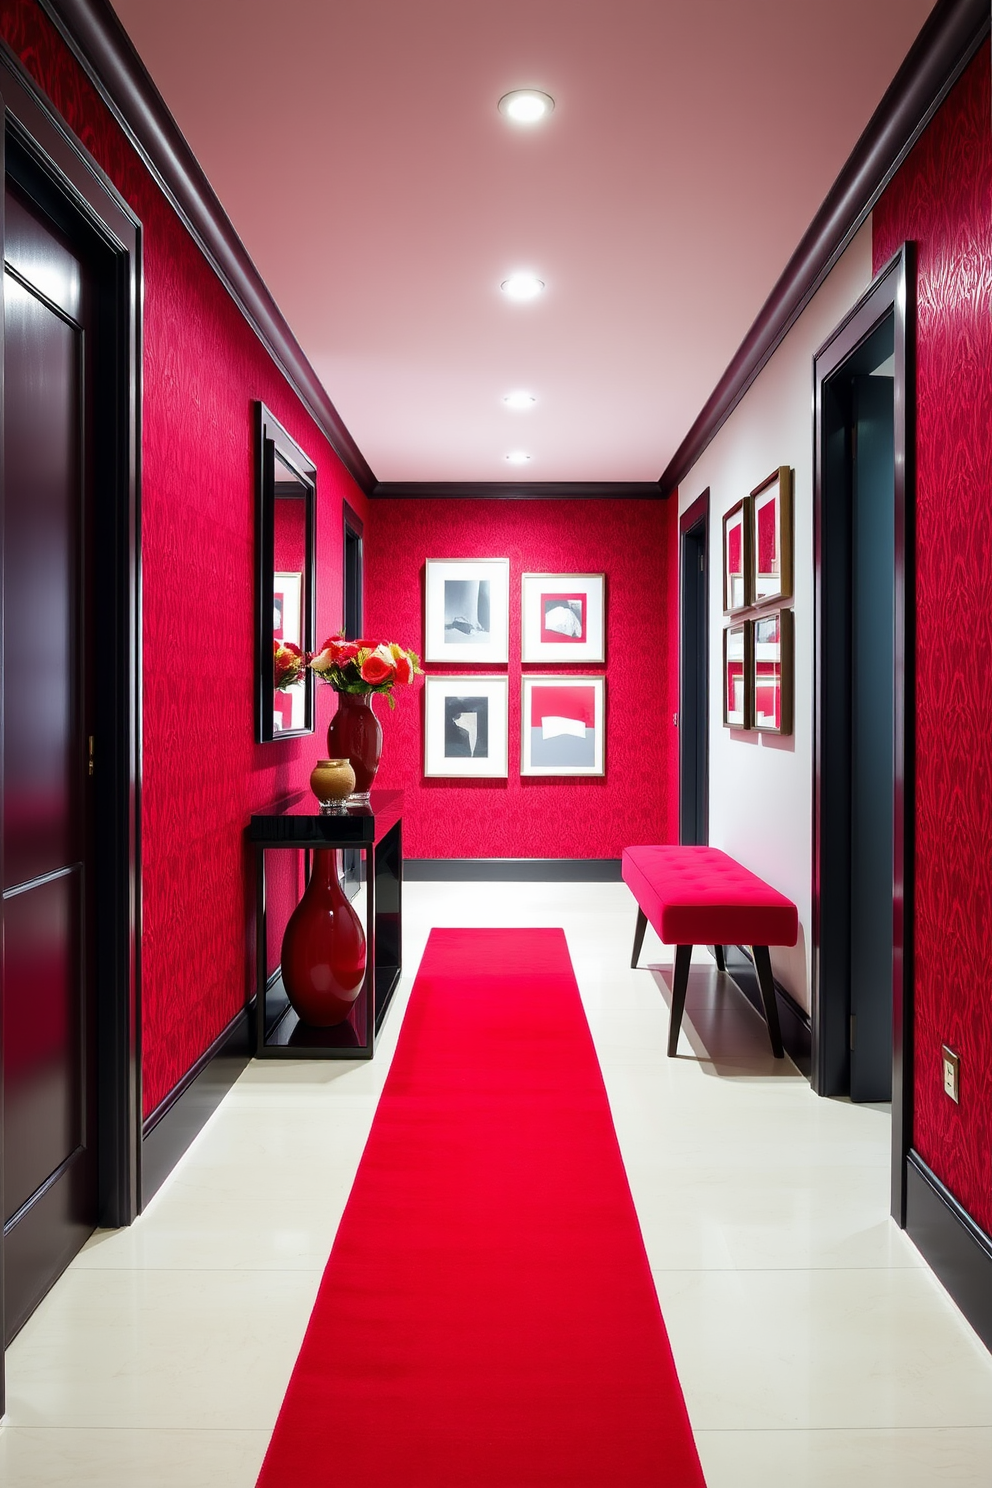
x: 547, y: 629
x: 758, y: 636
x: 466, y: 717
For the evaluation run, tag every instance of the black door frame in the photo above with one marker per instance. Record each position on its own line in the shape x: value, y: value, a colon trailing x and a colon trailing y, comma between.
x: 75, y: 189
x: 352, y: 548
x: 891, y: 292
x: 694, y: 744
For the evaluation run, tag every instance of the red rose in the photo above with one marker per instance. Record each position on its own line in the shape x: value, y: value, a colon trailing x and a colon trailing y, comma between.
x: 375, y: 670
x: 404, y: 671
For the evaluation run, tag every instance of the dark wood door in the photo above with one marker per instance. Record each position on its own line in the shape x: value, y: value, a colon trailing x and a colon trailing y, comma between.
x: 49, y: 1085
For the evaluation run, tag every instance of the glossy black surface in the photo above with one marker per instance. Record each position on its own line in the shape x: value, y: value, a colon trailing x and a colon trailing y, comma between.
x: 375, y: 831
x: 296, y: 822
x: 48, y: 999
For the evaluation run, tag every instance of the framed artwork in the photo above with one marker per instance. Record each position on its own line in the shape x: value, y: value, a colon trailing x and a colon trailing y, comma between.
x: 563, y: 726
x: 562, y: 618
x: 771, y: 550
x: 465, y: 727
x: 770, y: 678
x: 467, y: 610
x: 737, y: 644
x: 737, y: 557
x: 289, y: 707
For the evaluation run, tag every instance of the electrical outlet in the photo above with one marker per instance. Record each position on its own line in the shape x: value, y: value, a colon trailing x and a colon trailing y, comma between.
x: 952, y: 1073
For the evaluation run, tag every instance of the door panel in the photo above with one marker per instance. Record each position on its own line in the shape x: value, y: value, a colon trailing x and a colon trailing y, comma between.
x: 44, y: 1110
x: 49, y: 1129
x: 42, y: 733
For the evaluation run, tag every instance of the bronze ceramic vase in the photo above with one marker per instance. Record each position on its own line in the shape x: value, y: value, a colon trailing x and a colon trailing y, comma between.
x: 332, y: 782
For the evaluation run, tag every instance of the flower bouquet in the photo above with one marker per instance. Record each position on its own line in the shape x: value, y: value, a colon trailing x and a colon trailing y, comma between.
x: 356, y: 670
x: 361, y: 667
x: 288, y: 665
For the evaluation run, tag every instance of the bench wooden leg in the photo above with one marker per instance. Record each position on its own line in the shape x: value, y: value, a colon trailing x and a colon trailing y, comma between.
x: 721, y: 960
x: 680, y: 982
x: 763, y: 966
x: 639, y: 929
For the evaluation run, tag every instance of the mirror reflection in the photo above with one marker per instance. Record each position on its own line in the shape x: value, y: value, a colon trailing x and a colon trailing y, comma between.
x: 286, y: 496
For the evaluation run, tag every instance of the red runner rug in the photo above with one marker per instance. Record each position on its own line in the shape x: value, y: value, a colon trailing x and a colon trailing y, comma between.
x: 487, y: 1318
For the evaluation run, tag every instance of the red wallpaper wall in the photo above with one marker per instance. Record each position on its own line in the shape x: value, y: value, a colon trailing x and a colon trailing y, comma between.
x: 203, y: 773
x: 942, y: 199
x: 635, y: 544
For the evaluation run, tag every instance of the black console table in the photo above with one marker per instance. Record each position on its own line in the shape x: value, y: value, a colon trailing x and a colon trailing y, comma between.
x: 376, y: 832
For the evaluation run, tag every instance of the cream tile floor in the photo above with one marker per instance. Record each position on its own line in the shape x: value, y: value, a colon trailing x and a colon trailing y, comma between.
x: 814, y: 1346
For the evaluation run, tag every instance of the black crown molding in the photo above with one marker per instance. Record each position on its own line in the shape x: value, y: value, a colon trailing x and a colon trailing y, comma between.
x: 518, y: 490
x: 100, y: 44
x: 952, y: 34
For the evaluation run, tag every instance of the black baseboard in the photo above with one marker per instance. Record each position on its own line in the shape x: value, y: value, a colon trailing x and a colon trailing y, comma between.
x: 796, y: 1028
x: 955, y: 1248
x: 512, y: 870
x: 173, y: 1125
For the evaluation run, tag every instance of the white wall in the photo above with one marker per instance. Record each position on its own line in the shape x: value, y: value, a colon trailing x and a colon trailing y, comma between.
x: 761, y: 785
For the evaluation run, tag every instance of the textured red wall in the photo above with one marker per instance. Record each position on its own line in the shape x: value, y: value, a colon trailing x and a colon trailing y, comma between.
x: 635, y: 544
x: 203, y: 773
x: 942, y: 200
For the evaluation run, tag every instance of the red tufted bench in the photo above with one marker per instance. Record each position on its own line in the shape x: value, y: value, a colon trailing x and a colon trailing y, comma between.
x: 701, y: 896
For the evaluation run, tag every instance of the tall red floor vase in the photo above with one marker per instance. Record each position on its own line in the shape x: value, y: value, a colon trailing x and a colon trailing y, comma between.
x: 323, y: 950
x: 355, y: 733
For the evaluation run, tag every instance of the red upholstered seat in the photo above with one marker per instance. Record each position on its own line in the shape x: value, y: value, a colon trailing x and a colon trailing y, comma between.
x: 700, y: 896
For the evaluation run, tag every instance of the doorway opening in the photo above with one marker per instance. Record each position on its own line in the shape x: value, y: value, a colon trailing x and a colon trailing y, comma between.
x: 862, y: 514
x: 353, y: 607
x: 694, y: 673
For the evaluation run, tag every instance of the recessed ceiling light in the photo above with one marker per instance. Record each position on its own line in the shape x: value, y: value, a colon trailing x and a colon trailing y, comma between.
x: 518, y: 458
x: 526, y: 105
x: 520, y: 400
x: 522, y: 286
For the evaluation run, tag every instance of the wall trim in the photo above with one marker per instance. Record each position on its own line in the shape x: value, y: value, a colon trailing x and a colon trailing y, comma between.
x: 795, y: 1020
x: 949, y: 39
x: 512, y: 870
x: 518, y: 491
x: 956, y: 1249
x: 181, y: 1116
x: 103, y: 49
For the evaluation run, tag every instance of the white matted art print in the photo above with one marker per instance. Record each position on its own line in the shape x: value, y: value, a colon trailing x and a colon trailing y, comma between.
x: 563, y: 726
x: 562, y: 618
x: 465, y: 727
x: 467, y: 610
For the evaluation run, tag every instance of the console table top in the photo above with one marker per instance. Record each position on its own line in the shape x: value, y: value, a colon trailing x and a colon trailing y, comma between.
x: 294, y: 821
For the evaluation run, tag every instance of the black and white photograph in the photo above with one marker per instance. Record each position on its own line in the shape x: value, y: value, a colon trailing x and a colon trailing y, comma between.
x: 466, y: 610
x: 465, y: 727
x: 562, y: 618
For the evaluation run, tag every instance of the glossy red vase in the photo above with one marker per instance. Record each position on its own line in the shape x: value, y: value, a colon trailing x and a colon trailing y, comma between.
x: 323, y: 950
x: 355, y: 734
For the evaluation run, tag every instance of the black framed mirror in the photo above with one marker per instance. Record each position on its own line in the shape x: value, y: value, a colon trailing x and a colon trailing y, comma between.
x: 285, y: 519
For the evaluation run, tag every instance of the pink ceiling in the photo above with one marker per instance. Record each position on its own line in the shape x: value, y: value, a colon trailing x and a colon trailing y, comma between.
x: 357, y: 148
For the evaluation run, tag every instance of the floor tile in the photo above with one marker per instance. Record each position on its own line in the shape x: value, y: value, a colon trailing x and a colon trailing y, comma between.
x: 821, y: 1348
x: 94, y: 1458
x: 952, y: 1458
